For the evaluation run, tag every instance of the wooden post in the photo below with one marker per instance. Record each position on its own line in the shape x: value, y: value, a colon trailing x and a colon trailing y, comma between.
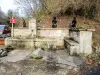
x: 12, y: 30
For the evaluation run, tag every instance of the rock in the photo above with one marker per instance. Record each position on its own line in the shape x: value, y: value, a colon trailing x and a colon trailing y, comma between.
x: 37, y: 54
x: 4, y: 49
x: 70, y: 67
x: 2, y: 69
x: 4, y: 53
x: 49, y: 56
x: 36, y: 57
x: 62, y: 65
x: 1, y: 51
x: 46, y: 56
x: 9, y: 48
x: 76, y: 69
x: 19, y: 73
x: 62, y: 72
x: 69, y: 60
x: 39, y: 51
x: 64, y: 61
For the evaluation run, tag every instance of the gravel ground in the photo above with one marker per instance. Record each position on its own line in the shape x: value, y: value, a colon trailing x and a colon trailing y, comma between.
x: 41, y: 67
x: 93, y: 71
x: 31, y: 67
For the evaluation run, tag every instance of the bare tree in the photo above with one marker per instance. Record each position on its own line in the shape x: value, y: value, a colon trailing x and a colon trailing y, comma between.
x: 90, y: 7
x: 29, y: 6
x: 3, y: 18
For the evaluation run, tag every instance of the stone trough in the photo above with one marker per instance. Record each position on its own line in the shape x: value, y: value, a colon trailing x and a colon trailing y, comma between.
x: 45, y: 43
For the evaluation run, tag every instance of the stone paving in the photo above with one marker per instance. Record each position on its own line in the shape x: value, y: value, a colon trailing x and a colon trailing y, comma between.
x: 53, y: 63
x: 16, y: 55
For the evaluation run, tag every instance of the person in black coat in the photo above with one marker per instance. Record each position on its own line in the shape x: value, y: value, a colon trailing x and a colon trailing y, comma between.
x: 74, y: 22
x: 54, y: 22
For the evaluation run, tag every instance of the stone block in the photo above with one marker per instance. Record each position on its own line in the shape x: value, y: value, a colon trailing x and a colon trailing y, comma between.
x: 84, y: 38
x: 72, y: 46
x: 32, y: 26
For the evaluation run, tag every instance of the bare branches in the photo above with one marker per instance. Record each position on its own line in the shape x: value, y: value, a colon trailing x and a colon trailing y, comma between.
x: 29, y: 6
x: 60, y: 6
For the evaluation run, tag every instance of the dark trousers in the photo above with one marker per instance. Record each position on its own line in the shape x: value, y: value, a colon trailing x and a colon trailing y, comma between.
x: 54, y: 26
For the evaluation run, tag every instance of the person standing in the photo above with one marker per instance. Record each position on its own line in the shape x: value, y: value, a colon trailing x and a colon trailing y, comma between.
x: 74, y: 22
x: 54, y: 22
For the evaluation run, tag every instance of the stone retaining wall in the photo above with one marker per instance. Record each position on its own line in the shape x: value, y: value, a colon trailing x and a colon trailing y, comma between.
x: 54, y: 32
x: 45, y: 32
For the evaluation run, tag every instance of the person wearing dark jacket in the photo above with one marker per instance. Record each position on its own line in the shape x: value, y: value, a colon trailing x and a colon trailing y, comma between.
x: 74, y: 22
x: 54, y: 21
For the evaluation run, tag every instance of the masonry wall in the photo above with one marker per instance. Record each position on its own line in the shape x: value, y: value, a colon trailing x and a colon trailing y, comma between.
x: 32, y: 43
x: 86, y: 42
x: 22, y: 32
x: 84, y: 39
x: 54, y: 32
x: 44, y: 32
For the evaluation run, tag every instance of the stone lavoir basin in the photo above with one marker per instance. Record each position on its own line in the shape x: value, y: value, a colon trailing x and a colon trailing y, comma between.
x: 34, y: 43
